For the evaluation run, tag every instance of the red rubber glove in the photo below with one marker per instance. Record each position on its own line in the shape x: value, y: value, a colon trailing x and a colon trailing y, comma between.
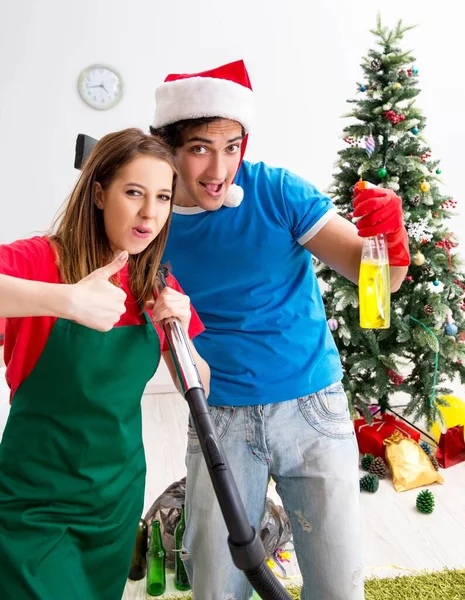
x: 380, y: 211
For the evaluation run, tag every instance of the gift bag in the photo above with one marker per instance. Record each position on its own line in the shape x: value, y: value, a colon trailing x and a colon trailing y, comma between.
x: 409, y: 464
x: 451, y: 447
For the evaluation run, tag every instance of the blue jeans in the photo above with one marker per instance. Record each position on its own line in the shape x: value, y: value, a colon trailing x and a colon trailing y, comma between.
x: 309, y: 447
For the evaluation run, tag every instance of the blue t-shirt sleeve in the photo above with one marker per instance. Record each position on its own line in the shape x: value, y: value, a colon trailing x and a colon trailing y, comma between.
x: 307, y: 208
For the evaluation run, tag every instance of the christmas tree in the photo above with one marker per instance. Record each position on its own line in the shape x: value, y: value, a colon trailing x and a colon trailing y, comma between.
x: 421, y: 351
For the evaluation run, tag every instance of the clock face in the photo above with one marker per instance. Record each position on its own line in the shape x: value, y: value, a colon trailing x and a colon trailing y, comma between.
x: 100, y: 86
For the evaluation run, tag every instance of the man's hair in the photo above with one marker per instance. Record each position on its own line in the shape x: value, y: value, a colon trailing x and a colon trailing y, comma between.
x: 173, y: 134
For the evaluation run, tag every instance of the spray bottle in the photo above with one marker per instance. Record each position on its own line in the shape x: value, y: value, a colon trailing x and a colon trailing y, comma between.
x: 374, y: 280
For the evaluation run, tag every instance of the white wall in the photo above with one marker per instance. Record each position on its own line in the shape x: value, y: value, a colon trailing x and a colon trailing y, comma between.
x: 303, y: 59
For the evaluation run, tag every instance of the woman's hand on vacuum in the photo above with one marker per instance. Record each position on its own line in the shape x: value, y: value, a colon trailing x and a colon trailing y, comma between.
x: 169, y: 304
x: 94, y: 301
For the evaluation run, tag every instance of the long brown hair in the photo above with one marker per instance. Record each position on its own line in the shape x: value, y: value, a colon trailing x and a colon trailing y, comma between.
x: 79, y: 232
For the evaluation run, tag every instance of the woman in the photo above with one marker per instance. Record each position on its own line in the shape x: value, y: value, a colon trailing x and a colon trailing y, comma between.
x: 79, y: 349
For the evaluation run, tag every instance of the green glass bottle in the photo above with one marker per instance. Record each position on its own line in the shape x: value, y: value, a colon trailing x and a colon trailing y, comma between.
x: 138, y: 560
x: 181, y: 581
x: 156, y: 556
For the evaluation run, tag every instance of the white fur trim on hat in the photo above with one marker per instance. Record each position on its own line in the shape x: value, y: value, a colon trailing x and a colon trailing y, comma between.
x: 196, y: 97
x: 234, y: 196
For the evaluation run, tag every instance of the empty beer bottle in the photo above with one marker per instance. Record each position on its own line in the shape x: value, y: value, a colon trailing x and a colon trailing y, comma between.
x: 156, y: 555
x: 138, y: 560
x: 181, y: 582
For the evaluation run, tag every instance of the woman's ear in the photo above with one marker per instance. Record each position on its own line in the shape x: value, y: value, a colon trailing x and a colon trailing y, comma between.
x: 98, y: 195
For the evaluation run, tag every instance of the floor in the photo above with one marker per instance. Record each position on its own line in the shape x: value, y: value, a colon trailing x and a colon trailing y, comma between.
x: 397, y: 538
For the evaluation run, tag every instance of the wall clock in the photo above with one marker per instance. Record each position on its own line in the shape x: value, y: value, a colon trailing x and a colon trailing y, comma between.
x: 100, y: 86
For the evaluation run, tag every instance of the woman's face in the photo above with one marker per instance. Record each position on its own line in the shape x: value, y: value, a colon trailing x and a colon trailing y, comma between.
x: 136, y: 205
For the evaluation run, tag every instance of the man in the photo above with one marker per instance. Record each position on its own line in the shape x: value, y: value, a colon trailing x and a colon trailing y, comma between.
x: 241, y: 241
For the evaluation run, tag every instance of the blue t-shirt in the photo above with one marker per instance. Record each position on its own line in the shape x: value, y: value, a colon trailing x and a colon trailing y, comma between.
x: 253, y: 284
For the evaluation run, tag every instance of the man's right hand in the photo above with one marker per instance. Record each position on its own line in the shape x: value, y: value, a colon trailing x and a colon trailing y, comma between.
x: 95, y: 302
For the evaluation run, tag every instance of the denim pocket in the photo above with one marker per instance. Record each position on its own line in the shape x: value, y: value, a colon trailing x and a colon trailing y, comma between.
x: 327, y: 411
x: 222, y: 417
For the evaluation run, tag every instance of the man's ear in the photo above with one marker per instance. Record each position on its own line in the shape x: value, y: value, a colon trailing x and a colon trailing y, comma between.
x: 98, y: 195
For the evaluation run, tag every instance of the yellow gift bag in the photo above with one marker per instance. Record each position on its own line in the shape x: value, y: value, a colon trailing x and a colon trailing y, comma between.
x: 409, y: 464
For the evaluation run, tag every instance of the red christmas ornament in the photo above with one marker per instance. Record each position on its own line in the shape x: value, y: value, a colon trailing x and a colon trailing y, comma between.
x: 424, y: 157
x: 395, y: 377
x: 449, y: 204
x: 447, y: 245
x: 409, y: 72
x: 390, y: 115
x: 350, y: 140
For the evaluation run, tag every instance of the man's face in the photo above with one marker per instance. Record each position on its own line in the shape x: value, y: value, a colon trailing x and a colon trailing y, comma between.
x: 207, y: 163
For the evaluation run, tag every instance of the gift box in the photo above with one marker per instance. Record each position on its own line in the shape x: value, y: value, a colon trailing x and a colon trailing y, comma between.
x: 370, y: 437
x: 451, y: 447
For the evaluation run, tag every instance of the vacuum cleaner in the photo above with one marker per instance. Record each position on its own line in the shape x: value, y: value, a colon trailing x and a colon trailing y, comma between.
x: 246, y: 547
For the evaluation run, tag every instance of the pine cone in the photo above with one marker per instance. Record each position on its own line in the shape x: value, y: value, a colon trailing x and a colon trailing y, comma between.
x: 376, y: 64
x: 367, y: 459
x: 426, y: 270
x: 434, y: 462
x: 425, y: 502
x: 429, y: 310
x: 378, y: 468
x: 369, y: 483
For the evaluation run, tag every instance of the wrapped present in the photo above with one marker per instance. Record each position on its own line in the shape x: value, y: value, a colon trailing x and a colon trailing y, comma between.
x: 370, y: 437
x: 451, y: 447
x: 409, y: 464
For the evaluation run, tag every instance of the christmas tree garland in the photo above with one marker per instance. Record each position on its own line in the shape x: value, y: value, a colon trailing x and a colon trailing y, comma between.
x: 436, y: 360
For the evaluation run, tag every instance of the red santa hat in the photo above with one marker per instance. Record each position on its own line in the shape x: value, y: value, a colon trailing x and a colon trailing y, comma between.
x: 224, y: 92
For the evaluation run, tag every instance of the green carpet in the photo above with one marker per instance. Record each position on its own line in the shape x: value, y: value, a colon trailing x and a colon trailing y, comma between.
x: 443, y: 585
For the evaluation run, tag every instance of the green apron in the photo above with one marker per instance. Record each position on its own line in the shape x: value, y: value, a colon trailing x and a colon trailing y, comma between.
x: 72, y: 465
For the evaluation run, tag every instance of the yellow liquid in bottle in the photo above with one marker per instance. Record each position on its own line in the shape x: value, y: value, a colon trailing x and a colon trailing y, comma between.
x: 374, y: 295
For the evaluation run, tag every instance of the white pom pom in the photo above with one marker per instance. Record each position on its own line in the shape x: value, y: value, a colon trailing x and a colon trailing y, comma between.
x: 234, y: 196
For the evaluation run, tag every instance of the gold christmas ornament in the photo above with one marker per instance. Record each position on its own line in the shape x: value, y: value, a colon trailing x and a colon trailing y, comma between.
x: 419, y: 259
x: 425, y: 187
x: 409, y: 464
x: 397, y: 86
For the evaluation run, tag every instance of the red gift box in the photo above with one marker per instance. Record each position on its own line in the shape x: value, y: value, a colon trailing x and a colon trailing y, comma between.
x: 451, y: 447
x: 370, y: 438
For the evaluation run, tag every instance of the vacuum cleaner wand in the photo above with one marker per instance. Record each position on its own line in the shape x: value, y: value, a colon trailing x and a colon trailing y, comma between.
x: 245, y: 545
